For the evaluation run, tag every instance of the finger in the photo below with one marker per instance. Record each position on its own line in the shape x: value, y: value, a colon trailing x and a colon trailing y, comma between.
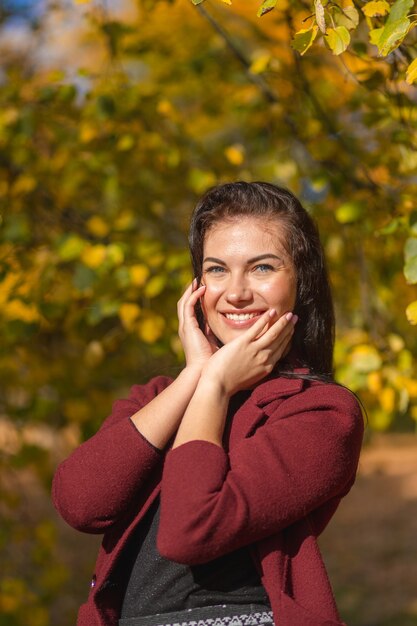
x: 188, y: 307
x: 211, y: 337
x: 279, y: 331
x: 259, y: 327
x: 185, y: 295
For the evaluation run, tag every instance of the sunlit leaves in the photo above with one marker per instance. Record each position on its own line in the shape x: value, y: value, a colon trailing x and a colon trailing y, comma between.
x: 349, y: 212
x: 337, y: 39
x: 266, y: 6
x: 411, y: 312
x: 304, y: 39
x: 347, y: 16
x: 410, y: 253
x: 365, y: 358
x: 376, y: 8
x: 396, y: 27
x: 235, y: 154
x: 411, y: 75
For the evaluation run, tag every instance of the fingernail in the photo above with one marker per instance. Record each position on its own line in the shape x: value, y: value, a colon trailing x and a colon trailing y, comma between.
x: 294, y: 319
x: 272, y: 313
x: 288, y: 316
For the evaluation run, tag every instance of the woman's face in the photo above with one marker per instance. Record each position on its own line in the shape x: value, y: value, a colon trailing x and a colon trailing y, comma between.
x: 246, y: 271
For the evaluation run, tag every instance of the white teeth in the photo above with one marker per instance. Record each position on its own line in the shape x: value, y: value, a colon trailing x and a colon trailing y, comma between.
x: 240, y: 317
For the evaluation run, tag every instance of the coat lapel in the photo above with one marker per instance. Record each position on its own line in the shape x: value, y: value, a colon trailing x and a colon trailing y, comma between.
x: 263, y: 400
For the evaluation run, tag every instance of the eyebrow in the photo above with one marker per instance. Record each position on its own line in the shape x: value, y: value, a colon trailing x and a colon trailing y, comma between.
x: 255, y: 259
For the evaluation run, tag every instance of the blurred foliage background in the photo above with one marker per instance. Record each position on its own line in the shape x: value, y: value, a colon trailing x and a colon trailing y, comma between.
x: 114, y: 117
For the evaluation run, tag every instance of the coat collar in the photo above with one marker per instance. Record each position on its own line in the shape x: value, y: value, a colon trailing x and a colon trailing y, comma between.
x: 254, y: 408
x: 275, y: 388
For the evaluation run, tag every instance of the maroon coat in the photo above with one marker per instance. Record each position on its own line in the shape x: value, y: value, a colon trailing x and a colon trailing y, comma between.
x: 291, y: 454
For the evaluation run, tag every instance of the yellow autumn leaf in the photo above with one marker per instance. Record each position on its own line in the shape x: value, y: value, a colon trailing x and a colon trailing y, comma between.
x: 374, y: 382
x: 18, y: 310
x: 164, y: 107
x: 98, y: 226
x: 129, y: 313
x: 411, y: 74
x: 410, y: 386
x: 24, y: 184
x: 411, y: 312
x: 155, y: 286
x: 151, y: 328
x: 124, y: 220
x: 7, y: 285
x: 380, y: 420
x: 93, y: 256
x: 235, y: 154
x: 138, y: 274
x: 125, y: 143
x: 387, y: 399
x: 115, y: 254
x: 88, y: 132
x: 365, y: 359
x: 260, y: 62
x: 376, y: 7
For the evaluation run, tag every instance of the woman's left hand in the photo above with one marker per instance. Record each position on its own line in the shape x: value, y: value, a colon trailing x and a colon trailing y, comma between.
x: 250, y: 357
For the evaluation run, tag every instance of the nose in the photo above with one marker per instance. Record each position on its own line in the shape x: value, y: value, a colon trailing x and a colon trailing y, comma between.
x: 238, y: 290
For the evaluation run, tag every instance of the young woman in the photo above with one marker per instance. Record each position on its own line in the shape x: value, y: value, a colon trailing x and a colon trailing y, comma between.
x: 211, y: 489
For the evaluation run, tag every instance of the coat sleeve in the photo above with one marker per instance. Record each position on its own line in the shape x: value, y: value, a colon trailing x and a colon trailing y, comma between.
x: 98, y: 481
x: 306, y: 454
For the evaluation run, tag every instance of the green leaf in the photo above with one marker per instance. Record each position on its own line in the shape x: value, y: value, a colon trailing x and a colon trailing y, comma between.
x: 196, y: 2
x: 304, y: 39
x: 84, y: 278
x: 375, y: 8
x: 375, y: 35
x: 410, y: 248
x: 71, y: 248
x: 399, y: 10
x: 410, y: 271
x: 390, y: 228
x: 266, y: 7
x: 337, y: 39
x: 319, y: 11
x: 410, y: 255
x: 393, y: 35
x: 348, y: 17
x: 396, y: 27
x: 411, y: 74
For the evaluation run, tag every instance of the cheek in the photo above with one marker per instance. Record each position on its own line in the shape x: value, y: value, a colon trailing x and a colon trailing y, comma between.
x: 279, y: 292
x: 210, y: 298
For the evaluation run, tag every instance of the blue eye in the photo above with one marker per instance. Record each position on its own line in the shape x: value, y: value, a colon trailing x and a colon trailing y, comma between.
x: 263, y: 267
x: 215, y: 269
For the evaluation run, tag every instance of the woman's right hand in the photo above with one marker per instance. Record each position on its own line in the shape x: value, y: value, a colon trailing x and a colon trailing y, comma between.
x: 198, y: 347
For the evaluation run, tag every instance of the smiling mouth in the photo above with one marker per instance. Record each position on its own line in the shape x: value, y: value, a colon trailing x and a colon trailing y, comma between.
x: 240, y: 317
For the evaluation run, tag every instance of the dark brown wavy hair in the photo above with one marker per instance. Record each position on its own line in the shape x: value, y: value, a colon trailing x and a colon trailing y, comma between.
x: 313, y: 338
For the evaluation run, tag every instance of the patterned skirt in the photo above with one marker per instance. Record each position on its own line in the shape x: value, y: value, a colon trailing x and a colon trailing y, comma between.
x: 221, y: 615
